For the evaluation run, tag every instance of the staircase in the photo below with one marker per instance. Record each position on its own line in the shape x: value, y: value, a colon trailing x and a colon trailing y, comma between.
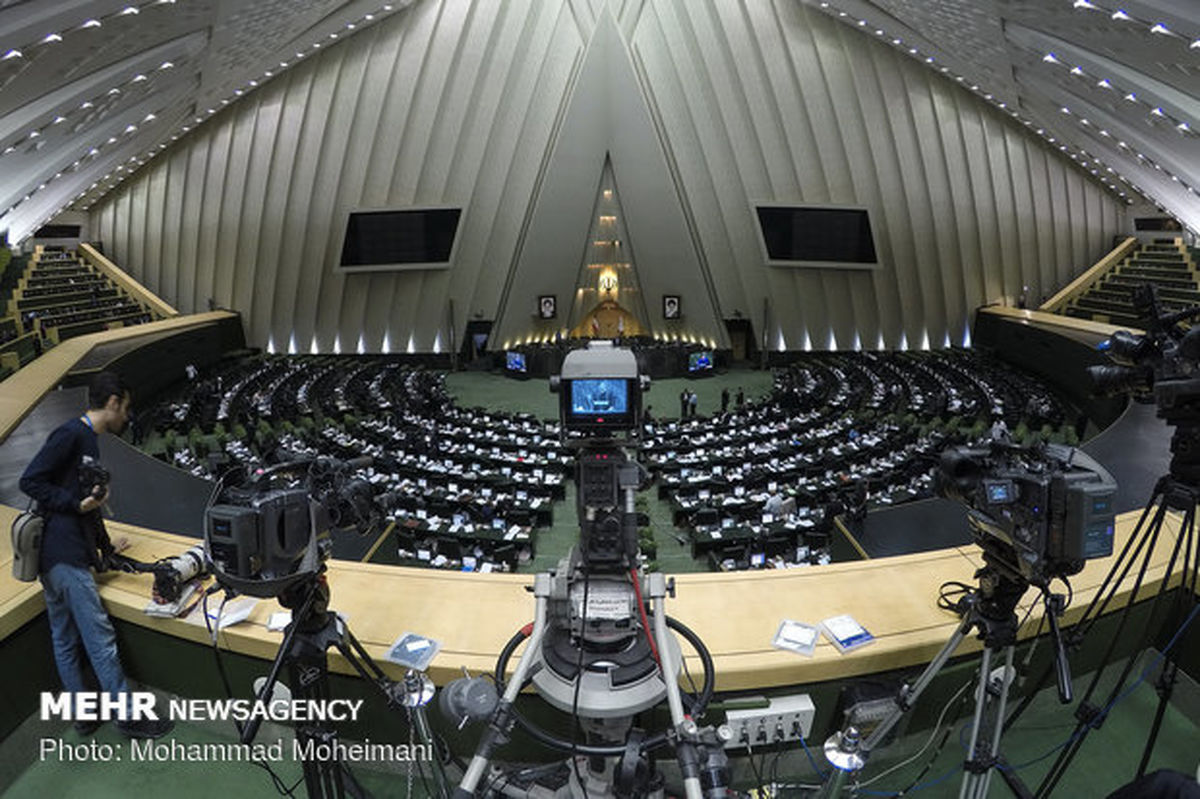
x: 1166, y: 263
x: 61, y: 296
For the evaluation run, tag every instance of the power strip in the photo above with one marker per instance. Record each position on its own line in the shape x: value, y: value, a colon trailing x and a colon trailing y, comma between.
x: 786, y: 718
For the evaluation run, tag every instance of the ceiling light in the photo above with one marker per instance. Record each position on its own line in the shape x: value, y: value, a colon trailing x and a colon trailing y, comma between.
x: 127, y: 10
x: 1050, y: 58
x: 52, y: 37
x: 87, y: 104
x: 1103, y: 83
x: 1158, y: 112
x: 1183, y: 126
x: 1131, y: 97
x: 91, y: 23
x: 1076, y: 71
x: 1065, y: 110
x: 12, y: 54
x: 149, y: 118
x: 138, y: 78
x: 1158, y: 27
x: 33, y: 134
x: 114, y: 90
x: 58, y: 119
x: 1119, y: 14
x: 165, y: 65
x: 1086, y: 4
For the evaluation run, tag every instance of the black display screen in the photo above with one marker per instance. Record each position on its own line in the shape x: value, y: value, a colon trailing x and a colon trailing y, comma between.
x: 397, y: 238
x: 823, y: 235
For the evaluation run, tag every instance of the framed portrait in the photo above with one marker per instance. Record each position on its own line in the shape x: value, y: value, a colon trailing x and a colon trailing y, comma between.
x: 672, y: 308
x: 547, y: 306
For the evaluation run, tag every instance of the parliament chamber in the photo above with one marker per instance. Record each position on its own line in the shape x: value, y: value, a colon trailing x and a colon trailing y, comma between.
x: 600, y: 399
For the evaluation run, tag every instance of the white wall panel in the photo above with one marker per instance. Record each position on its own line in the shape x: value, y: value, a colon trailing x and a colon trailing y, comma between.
x: 459, y: 103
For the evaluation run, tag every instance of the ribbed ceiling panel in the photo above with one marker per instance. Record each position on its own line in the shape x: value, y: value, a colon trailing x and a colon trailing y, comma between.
x: 457, y: 103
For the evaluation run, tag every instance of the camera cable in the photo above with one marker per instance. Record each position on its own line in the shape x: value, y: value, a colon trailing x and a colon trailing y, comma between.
x: 214, y: 630
x: 578, y: 683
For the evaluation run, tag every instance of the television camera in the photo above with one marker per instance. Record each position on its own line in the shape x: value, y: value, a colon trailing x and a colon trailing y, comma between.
x: 270, y: 537
x: 271, y: 533
x: 1038, y: 512
x: 599, y: 647
x: 1161, y: 365
x: 1042, y: 510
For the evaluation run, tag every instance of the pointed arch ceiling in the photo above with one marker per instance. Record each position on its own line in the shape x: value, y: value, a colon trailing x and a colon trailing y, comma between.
x: 453, y: 103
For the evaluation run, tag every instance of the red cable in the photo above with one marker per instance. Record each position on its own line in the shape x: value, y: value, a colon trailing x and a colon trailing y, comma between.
x: 637, y: 590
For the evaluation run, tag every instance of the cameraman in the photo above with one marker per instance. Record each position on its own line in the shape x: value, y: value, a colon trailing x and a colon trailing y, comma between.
x: 72, y: 543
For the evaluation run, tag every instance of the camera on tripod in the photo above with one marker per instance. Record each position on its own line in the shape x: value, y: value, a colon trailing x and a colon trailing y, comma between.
x: 1048, y: 507
x: 263, y: 537
x: 600, y: 411
x: 1161, y: 365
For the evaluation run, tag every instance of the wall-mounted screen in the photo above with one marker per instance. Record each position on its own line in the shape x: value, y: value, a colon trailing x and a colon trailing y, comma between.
x: 514, y: 361
x: 412, y: 238
x: 816, y: 236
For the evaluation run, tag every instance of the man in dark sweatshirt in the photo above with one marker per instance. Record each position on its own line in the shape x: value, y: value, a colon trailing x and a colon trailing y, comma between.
x: 71, y: 545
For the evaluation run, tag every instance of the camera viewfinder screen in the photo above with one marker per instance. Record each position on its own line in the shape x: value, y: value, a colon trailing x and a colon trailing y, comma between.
x: 999, y: 493
x: 596, y: 397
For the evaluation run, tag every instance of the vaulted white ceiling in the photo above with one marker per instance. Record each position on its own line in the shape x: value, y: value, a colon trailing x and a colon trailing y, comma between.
x: 1113, y: 83
x: 91, y: 89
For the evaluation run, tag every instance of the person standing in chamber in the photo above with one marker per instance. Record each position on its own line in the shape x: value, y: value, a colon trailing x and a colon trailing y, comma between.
x: 70, y: 487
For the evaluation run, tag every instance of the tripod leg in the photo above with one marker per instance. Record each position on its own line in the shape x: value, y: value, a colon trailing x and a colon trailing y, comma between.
x: 1089, y: 715
x: 1128, y: 555
x: 1001, y: 702
x: 1166, y: 681
x: 493, y: 735
x: 970, y: 781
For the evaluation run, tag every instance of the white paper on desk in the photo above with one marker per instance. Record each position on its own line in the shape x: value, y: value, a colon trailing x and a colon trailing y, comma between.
x: 716, y: 533
x: 279, y: 620
x: 232, y: 613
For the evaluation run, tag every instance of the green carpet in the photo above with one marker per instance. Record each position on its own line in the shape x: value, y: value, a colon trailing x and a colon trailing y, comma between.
x: 499, y: 393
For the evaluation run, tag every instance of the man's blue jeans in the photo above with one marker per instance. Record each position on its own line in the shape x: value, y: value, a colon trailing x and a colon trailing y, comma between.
x: 78, y: 621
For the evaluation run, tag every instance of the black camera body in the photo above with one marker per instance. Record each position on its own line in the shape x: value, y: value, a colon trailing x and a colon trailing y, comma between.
x: 1044, y: 509
x: 92, y: 476
x: 263, y: 538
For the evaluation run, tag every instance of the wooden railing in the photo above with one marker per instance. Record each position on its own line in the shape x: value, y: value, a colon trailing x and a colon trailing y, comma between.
x: 1082, y: 283
x: 150, y: 300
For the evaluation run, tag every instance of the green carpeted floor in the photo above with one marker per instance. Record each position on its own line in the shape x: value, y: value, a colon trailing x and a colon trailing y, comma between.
x: 495, y: 392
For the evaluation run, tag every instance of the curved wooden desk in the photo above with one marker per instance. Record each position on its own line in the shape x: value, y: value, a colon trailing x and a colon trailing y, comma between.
x: 473, y: 615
